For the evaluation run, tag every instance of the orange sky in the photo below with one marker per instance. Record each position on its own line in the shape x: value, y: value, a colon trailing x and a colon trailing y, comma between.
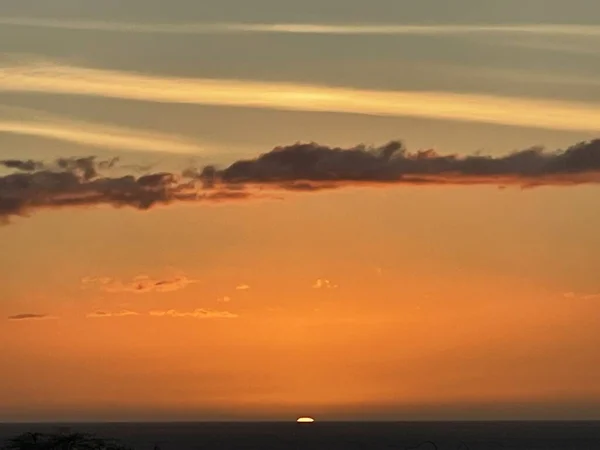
x: 425, y: 307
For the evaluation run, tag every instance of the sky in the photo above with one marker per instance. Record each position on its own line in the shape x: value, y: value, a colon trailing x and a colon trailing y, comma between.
x: 233, y: 210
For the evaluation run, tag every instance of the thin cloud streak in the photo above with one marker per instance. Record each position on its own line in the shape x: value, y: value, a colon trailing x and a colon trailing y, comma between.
x: 141, y: 284
x: 480, y: 108
x: 407, y: 29
x: 99, y: 137
x: 29, y: 316
x: 199, y: 313
x: 108, y: 314
x: 304, y: 28
x: 93, y: 134
x: 509, y: 75
x: 573, y: 295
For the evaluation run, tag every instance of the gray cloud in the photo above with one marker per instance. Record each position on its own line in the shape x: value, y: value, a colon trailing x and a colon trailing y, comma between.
x: 86, y: 167
x: 29, y: 316
x: 299, y: 167
x: 76, y: 182
x: 312, y: 166
x: 28, y: 165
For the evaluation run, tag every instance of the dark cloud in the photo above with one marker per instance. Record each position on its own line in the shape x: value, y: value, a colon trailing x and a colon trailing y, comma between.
x: 298, y: 167
x: 29, y: 317
x: 28, y: 165
x: 85, y: 167
x: 71, y: 182
x: 307, y: 167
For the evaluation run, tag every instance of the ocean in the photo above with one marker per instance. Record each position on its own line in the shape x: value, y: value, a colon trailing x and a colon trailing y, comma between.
x: 338, y: 435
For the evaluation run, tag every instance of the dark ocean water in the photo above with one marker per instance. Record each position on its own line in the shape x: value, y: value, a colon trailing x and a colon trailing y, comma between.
x: 333, y: 436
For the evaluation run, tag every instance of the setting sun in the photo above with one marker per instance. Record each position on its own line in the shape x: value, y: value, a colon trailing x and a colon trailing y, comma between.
x: 305, y: 420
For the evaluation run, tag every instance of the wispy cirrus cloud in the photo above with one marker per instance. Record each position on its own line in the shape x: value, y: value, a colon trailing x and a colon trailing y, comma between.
x: 30, y: 122
x: 30, y: 316
x: 582, y: 296
x: 586, y: 48
x: 508, y: 75
x: 481, y: 108
x: 199, y: 313
x: 140, y: 284
x: 305, y: 28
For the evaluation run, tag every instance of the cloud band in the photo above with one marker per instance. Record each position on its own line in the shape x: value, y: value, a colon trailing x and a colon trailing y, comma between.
x: 70, y: 182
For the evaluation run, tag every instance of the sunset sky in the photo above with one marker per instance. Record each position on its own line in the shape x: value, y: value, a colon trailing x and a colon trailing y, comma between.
x: 452, y: 276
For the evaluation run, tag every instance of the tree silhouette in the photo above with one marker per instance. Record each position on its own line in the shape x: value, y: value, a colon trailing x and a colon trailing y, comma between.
x: 61, y: 441
x: 25, y: 441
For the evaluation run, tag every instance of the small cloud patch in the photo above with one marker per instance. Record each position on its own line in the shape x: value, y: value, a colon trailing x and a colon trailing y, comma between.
x: 322, y: 283
x: 242, y: 287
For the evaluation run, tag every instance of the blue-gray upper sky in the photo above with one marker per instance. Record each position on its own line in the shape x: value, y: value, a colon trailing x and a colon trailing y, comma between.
x: 452, y: 49
x: 374, y: 11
